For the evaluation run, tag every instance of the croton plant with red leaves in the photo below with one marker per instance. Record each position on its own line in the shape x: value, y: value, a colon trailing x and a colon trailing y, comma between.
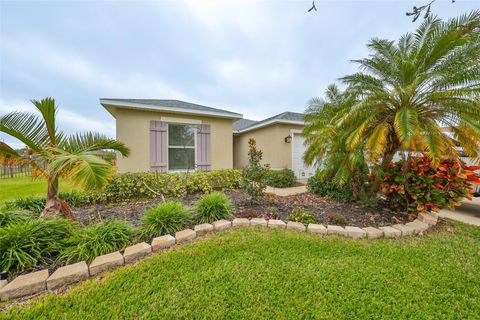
x: 416, y: 185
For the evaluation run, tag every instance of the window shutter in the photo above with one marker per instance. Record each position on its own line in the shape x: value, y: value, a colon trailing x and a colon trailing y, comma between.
x: 158, y: 146
x: 203, y: 147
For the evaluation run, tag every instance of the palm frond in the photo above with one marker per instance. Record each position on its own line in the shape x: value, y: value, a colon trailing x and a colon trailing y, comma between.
x: 406, y: 123
x: 26, y: 127
x: 48, y: 111
x: 84, y: 168
x: 91, y: 141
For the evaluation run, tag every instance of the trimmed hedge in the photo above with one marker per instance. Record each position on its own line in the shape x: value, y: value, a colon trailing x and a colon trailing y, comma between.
x: 128, y: 186
x: 284, y: 178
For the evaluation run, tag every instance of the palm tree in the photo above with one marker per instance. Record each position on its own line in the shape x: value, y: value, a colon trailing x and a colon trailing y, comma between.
x: 407, y: 91
x: 326, y: 145
x: 54, y: 154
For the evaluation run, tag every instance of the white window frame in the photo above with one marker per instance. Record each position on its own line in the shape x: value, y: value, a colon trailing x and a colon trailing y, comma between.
x: 194, y: 147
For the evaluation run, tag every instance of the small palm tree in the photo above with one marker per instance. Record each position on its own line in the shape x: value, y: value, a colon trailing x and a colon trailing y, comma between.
x: 326, y: 145
x: 407, y: 91
x: 54, y: 154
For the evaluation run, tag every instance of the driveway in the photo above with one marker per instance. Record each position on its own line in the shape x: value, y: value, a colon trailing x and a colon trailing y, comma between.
x: 468, y: 212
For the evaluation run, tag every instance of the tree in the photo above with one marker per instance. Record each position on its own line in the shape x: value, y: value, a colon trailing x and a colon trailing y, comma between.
x: 406, y: 93
x: 326, y: 145
x: 54, y: 154
x: 255, y: 174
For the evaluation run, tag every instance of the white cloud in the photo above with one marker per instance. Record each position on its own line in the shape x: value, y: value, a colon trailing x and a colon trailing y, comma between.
x: 241, y: 75
x: 56, y: 60
x: 224, y: 18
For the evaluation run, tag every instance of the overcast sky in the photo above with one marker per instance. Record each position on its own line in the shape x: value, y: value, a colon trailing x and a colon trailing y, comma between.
x: 255, y: 58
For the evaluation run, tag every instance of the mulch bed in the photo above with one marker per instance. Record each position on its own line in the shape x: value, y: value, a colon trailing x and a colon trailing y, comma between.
x: 271, y: 206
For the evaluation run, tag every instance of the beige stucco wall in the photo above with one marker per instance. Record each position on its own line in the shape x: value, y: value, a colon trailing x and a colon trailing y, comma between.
x: 133, y: 129
x: 271, y: 140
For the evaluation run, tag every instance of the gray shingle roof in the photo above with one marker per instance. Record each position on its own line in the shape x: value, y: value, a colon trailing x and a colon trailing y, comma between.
x: 285, y: 116
x: 242, y: 124
x: 171, y: 104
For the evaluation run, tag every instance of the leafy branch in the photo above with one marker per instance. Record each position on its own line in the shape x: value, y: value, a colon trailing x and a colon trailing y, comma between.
x: 416, y: 12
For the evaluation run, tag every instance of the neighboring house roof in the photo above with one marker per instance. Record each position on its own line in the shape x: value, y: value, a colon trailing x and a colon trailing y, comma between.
x: 175, y: 106
x: 242, y: 124
x: 285, y: 117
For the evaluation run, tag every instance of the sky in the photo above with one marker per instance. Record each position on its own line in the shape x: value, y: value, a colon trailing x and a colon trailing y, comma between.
x: 257, y: 58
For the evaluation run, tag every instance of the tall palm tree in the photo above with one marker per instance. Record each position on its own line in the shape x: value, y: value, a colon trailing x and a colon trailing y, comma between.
x: 54, y: 154
x: 407, y: 91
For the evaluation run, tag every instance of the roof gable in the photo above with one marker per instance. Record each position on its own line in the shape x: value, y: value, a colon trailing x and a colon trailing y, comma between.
x: 285, y: 117
x: 175, y: 106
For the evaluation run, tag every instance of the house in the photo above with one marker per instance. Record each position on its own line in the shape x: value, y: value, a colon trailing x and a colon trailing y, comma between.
x: 279, y: 137
x: 173, y: 135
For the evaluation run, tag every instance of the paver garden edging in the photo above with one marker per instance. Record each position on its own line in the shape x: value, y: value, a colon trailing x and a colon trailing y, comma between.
x: 40, y: 281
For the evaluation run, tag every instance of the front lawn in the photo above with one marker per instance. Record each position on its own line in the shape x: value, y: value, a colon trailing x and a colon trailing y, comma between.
x: 22, y: 187
x: 277, y: 274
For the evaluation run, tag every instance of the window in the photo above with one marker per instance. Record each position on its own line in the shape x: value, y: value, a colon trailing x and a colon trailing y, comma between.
x: 181, y: 147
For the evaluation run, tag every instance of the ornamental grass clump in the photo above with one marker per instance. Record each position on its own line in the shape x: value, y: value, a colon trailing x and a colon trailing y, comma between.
x: 8, y: 216
x: 166, y: 218
x: 96, y: 240
x: 212, y: 207
x: 25, y: 244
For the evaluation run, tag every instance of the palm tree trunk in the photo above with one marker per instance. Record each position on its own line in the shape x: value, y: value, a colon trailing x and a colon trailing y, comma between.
x: 55, y: 206
x: 393, y: 144
x: 52, y: 192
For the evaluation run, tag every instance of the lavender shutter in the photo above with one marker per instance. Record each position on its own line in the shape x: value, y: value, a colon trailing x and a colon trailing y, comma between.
x: 158, y: 146
x: 203, y: 147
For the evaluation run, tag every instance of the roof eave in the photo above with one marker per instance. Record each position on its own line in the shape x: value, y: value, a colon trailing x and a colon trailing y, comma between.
x: 267, y: 123
x: 138, y: 106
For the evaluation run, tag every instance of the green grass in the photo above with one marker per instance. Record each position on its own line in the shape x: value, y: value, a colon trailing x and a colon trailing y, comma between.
x: 21, y: 187
x: 277, y: 274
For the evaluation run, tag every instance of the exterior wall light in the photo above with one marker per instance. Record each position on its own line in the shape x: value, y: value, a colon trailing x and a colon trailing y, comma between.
x: 288, y: 139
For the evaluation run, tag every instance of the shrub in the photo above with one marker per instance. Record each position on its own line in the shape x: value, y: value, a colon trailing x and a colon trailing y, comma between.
x: 300, y: 215
x: 150, y: 185
x: 32, y: 242
x: 32, y: 204
x: 95, y: 240
x: 254, y: 174
x: 212, y: 207
x: 284, y: 178
x: 166, y: 218
x: 128, y: 186
x: 325, y: 187
x: 8, y: 216
x: 337, y: 219
x: 416, y: 185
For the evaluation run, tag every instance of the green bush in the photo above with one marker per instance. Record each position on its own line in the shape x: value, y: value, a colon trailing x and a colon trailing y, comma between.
x: 325, y: 187
x: 32, y: 242
x: 166, y: 218
x: 150, y: 185
x: 95, y: 240
x: 212, y: 207
x: 8, y: 216
x: 255, y: 173
x: 284, y: 178
x: 128, y: 186
x: 300, y: 215
x: 32, y: 204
